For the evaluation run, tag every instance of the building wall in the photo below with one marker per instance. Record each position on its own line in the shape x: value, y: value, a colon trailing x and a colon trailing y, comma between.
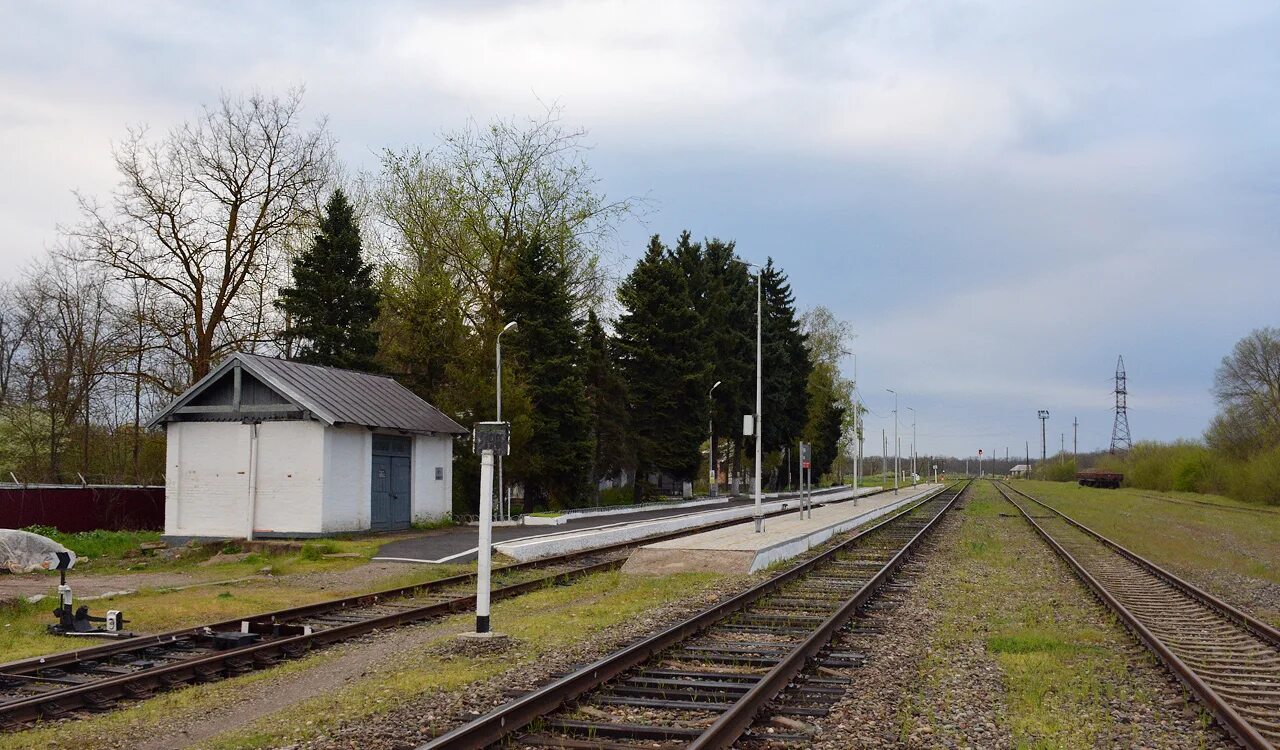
x: 206, y: 479
x: 348, y: 456
x: 291, y: 467
x: 311, y: 478
x: 432, y: 498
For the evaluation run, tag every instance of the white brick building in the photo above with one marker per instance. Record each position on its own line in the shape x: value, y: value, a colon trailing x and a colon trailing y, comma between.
x: 267, y: 447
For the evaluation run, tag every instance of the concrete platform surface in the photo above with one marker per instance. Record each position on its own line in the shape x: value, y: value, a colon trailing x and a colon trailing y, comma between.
x: 738, y: 549
x: 458, y: 544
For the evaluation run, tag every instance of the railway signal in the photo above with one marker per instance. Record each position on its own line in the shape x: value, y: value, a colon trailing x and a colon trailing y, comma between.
x: 489, y: 439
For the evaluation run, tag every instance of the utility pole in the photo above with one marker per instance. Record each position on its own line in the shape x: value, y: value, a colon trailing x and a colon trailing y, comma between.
x: 1062, y: 446
x: 1044, y: 416
x: 1075, y: 436
x: 914, y: 447
x: 897, y: 445
x: 884, y: 458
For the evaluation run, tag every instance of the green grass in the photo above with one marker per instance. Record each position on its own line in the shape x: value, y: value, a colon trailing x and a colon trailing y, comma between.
x: 97, y: 544
x: 1057, y: 658
x: 537, y: 622
x: 1211, y: 546
x: 22, y: 624
x: 547, y: 514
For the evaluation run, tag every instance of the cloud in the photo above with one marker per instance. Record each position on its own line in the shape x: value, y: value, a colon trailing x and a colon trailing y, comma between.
x: 1001, y: 197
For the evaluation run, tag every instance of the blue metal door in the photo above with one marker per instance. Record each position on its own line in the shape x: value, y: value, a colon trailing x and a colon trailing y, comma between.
x: 380, y: 494
x: 391, y: 493
x: 401, y: 493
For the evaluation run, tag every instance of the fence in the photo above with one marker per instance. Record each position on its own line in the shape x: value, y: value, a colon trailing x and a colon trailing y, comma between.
x: 73, y: 507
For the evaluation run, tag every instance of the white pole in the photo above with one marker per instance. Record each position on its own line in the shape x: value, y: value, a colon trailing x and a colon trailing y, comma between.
x: 897, y: 446
x: 759, y: 420
x: 712, y: 487
x: 857, y: 444
x: 504, y: 502
x: 484, y: 548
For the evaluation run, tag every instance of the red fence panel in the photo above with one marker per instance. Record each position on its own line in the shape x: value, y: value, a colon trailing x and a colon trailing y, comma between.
x: 72, y: 508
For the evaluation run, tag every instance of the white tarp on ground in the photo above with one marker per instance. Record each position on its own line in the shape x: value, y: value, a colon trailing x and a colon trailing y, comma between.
x: 24, y: 552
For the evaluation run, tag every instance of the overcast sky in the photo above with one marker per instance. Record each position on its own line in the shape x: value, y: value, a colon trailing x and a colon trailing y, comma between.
x: 1000, y: 197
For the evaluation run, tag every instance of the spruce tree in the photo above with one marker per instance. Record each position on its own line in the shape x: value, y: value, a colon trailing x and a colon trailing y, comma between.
x: 546, y: 346
x: 333, y: 303
x: 786, y: 363
x: 729, y: 316
x: 661, y: 366
x: 606, y: 405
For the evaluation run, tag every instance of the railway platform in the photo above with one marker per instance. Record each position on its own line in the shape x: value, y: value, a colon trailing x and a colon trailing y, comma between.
x: 738, y: 549
x: 458, y: 544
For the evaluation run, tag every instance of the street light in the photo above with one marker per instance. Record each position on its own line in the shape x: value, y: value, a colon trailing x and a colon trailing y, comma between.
x: 759, y: 420
x: 913, y: 445
x: 711, y: 443
x: 896, y: 447
x: 504, y: 508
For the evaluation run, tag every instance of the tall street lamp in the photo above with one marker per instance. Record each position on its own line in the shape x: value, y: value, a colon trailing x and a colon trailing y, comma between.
x: 897, y: 448
x: 504, y: 507
x: 914, y: 447
x: 759, y: 420
x: 712, y: 486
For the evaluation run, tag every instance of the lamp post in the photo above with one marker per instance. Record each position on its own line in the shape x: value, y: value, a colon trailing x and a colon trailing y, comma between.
x: 712, y: 486
x: 759, y: 420
x: 914, y: 447
x: 504, y: 510
x: 896, y: 446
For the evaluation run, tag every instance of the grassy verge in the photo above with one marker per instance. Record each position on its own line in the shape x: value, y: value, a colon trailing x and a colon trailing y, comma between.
x: 537, y: 621
x: 1060, y: 656
x: 22, y: 625
x: 1234, y: 554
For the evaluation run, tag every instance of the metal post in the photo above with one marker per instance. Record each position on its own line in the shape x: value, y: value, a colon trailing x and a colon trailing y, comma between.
x: 914, y: 445
x: 504, y: 503
x: 484, y: 547
x: 897, y: 445
x: 1043, y: 414
x: 857, y: 442
x: 884, y: 458
x: 712, y: 486
x: 759, y: 420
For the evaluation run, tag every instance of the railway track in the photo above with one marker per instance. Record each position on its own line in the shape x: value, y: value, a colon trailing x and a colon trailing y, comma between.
x: 1227, y: 658
x: 99, y: 677
x: 764, y: 655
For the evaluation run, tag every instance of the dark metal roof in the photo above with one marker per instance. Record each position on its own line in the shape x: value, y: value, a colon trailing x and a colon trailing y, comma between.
x: 334, y: 396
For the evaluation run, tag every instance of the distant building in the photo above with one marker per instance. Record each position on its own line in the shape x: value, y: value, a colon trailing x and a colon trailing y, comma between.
x: 1020, y: 471
x: 268, y: 447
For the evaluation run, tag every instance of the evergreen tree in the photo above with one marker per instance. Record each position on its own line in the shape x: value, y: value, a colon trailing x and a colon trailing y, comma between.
x: 333, y: 303
x: 728, y: 325
x: 555, y: 459
x: 606, y: 405
x: 663, y: 372
x: 786, y: 364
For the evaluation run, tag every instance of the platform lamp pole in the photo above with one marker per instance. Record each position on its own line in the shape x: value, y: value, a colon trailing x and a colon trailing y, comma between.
x: 758, y: 423
x: 504, y: 507
x: 914, y: 448
x: 896, y: 445
x: 712, y: 487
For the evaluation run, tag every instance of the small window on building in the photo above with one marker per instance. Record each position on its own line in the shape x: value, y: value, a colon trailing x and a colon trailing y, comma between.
x: 439, y: 472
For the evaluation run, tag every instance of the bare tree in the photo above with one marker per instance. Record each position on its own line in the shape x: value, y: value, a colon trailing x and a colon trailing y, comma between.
x: 200, y: 216
x: 70, y: 345
x: 1247, y: 386
x: 464, y: 205
x: 13, y: 325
